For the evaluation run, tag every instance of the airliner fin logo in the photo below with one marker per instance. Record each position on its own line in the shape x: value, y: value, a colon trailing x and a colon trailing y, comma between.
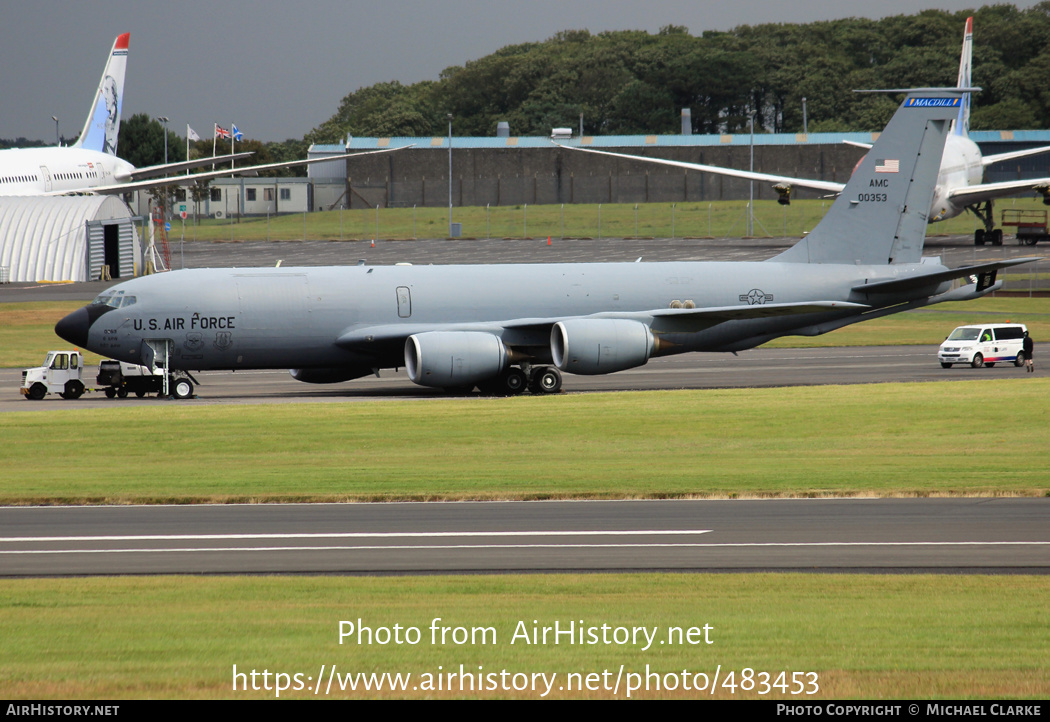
x: 932, y: 102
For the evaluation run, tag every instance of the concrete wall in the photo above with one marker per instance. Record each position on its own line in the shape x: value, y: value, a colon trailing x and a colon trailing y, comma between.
x: 513, y: 176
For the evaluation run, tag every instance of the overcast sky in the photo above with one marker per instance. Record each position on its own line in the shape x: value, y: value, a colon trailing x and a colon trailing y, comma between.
x: 279, y: 69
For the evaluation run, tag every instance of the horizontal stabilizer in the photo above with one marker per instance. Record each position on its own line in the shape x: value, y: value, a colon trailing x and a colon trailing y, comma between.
x: 901, y: 285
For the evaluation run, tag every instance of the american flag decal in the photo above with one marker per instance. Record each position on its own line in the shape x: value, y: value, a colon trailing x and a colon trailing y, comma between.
x: 887, y: 166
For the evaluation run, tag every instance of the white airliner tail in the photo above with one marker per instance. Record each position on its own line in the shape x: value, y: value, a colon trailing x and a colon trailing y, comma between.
x: 103, y: 122
x: 961, y: 125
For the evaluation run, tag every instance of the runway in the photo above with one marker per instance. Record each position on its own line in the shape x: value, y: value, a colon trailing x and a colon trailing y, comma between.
x: 999, y: 536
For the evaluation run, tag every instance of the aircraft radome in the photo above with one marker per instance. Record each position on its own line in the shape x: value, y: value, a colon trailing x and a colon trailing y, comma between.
x: 505, y: 328
x: 960, y: 185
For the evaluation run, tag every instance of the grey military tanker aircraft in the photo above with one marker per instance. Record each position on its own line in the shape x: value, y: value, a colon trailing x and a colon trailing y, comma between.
x: 508, y: 328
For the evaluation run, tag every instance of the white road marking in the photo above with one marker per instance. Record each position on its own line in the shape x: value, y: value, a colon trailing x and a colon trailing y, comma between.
x: 355, y: 535
x: 474, y: 547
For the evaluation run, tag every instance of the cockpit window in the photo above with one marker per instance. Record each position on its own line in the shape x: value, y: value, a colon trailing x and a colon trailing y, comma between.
x: 114, y: 300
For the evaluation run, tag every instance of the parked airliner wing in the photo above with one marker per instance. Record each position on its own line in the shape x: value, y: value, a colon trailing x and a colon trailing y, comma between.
x: 1014, y: 154
x: 965, y: 195
x: 210, y: 175
x: 818, y: 185
x: 153, y: 171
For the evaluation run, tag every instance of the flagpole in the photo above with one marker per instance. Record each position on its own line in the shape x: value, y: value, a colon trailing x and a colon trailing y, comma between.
x: 214, y: 133
x: 232, y: 161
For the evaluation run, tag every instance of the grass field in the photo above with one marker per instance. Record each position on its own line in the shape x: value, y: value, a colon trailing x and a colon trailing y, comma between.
x: 865, y: 636
x: 613, y: 220
x: 883, y: 439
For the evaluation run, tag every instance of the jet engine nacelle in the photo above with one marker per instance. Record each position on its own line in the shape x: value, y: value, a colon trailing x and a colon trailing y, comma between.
x: 447, y: 359
x: 600, y: 345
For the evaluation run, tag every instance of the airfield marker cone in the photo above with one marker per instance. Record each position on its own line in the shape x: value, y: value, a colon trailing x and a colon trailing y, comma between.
x: 548, y: 240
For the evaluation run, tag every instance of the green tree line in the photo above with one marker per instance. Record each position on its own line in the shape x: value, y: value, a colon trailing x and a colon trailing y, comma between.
x: 635, y: 82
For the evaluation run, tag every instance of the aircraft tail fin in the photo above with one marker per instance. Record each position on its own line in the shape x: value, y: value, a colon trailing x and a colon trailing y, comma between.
x: 961, y: 125
x: 880, y: 217
x: 103, y: 122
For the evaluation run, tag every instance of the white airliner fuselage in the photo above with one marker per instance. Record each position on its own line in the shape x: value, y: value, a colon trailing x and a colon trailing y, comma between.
x: 37, y: 171
x: 961, y: 166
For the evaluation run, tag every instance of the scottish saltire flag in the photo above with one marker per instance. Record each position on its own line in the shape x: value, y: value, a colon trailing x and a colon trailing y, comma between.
x: 237, y: 135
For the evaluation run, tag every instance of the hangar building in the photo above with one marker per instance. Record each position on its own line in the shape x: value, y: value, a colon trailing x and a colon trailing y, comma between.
x: 74, y: 238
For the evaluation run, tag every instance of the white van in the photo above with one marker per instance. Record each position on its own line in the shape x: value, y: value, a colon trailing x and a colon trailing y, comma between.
x: 984, y: 345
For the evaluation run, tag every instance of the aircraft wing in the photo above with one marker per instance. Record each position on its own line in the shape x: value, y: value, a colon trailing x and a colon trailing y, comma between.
x: 732, y: 172
x: 966, y: 195
x: 900, y: 285
x: 997, y: 157
x: 210, y: 175
x: 985, y: 160
x: 534, y: 331
x: 152, y: 171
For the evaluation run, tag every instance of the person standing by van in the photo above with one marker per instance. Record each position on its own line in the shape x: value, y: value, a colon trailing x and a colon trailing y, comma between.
x: 1028, y: 346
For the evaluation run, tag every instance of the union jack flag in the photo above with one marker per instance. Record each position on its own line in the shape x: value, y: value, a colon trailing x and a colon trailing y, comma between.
x: 222, y: 132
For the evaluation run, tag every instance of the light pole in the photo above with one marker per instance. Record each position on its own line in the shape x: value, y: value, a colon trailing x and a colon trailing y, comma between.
x: 805, y: 124
x: 58, y: 138
x: 751, y: 184
x: 164, y: 119
x: 450, y: 175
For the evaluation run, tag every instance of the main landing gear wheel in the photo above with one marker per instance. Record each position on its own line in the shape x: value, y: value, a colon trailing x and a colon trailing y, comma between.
x: 513, y: 381
x: 545, y: 380
x: 182, y: 389
x: 509, y: 383
x: 978, y: 361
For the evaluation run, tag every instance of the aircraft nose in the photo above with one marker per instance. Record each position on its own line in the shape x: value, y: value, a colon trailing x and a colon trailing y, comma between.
x: 74, y: 327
